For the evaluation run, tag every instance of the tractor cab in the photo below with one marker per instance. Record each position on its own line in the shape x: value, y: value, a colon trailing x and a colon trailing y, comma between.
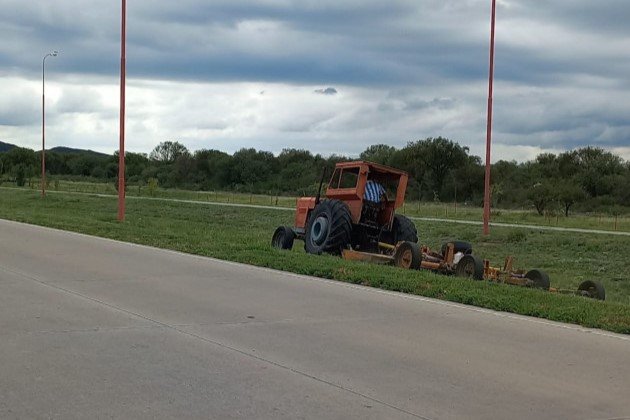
x: 372, y: 192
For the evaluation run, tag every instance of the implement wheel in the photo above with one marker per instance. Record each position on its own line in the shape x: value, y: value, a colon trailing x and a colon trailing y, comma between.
x: 283, y: 238
x: 592, y: 289
x: 539, y: 278
x: 459, y: 246
x: 329, y: 228
x: 470, y: 266
x: 408, y: 255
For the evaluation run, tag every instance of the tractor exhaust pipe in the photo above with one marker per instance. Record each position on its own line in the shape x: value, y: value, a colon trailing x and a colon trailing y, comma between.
x: 319, y: 190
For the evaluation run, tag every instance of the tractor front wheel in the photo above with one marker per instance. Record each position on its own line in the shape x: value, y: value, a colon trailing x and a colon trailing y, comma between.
x: 283, y: 238
x: 329, y: 228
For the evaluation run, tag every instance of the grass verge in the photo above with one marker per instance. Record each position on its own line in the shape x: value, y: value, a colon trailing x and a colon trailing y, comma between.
x: 243, y: 235
x: 525, y: 216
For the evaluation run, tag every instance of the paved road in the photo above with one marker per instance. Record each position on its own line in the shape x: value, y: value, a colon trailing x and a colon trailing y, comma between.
x: 95, y: 328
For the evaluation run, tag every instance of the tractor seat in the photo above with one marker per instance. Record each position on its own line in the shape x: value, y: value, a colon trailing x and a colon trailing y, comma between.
x: 370, y: 212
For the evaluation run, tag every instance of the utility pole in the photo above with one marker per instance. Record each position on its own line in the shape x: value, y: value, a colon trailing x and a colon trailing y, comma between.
x: 50, y: 54
x: 121, y: 148
x: 486, y: 197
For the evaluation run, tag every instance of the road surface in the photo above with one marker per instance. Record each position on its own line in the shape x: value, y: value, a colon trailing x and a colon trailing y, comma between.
x: 93, y: 328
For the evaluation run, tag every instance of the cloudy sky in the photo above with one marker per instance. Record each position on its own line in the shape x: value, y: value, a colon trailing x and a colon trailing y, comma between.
x: 331, y: 76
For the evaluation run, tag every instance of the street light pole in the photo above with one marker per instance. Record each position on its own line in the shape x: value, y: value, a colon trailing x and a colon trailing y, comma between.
x: 486, y: 196
x: 50, y: 54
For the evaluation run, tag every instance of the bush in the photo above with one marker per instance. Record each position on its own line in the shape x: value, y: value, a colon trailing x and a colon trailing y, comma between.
x: 20, y: 176
x: 152, y: 185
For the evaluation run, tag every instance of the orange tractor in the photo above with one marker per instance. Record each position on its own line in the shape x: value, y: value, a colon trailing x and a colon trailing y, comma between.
x: 358, y: 221
x: 358, y: 213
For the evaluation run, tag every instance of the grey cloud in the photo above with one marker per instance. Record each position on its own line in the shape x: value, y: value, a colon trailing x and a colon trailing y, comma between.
x: 424, y: 48
x: 23, y: 110
x: 80, y: 99
x: 327, y: 91
x: 439, y: 103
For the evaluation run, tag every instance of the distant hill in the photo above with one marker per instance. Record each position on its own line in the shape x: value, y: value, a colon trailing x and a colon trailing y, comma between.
x: 71, y: 151
x: 5, y: 147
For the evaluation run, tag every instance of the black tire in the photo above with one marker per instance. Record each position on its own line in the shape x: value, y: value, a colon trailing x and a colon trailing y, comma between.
x: 329, y: 228
x: 540, y: 279
x: 408, y: 255
x: 283, y: 238
x: 404, y: 229
x: 460, y: 246
x: 592, y: 289
x: 470, y: 266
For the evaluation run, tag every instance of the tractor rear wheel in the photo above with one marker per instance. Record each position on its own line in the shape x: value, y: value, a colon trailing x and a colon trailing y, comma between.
x: 593, y: 289
x: 283, y: 238
x: 470, y: 266
x: 404, y: 229
x: 539, y: 278
x: 329, y: 228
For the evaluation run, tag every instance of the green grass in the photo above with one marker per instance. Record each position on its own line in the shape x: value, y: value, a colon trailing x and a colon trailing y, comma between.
x: 243, y: 235
x: 525, y: 216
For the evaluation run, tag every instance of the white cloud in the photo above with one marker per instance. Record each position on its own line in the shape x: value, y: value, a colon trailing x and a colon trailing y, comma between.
x: 229, y: 74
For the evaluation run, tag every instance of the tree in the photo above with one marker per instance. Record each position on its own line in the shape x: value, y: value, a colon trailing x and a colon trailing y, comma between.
x: 20, y: 175
x: 547, y: 166
x: 569, y: 193
x: 135, y: 163
x: 213, y: 168
x: 84, y: 164
x: 168, y: 152
x: 541, y: 195
x: 23, y: 157
x: 251, y: 167
x: 598, y: 170
x: 378, y: 153
x: 433, y: 159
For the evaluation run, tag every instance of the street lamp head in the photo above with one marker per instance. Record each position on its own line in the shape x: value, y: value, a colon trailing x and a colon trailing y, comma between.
x: 55, y: 53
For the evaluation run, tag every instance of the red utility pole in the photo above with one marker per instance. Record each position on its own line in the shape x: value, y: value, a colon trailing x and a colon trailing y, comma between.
x: 50, y: 54
x: 486, y: 198
x: 44, y: 126
x: 121, y: 149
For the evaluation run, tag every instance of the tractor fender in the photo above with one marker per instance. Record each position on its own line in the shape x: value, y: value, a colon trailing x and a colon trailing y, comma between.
x: 303, y: 208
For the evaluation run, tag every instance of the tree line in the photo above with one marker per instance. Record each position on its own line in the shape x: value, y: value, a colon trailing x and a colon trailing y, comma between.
x: 441, y: 170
